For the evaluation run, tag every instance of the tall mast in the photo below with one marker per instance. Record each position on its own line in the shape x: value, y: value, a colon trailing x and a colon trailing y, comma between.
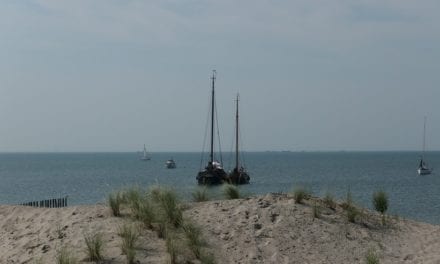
x: 211, y: 156
x: 236, y: 133
x: 424, y: 135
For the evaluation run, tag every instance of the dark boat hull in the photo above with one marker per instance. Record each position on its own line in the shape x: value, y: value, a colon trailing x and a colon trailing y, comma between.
x: 239, y: 177
x: 214, y: 176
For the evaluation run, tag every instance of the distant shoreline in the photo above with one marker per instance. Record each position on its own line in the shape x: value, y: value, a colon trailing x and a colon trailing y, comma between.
x: 198, y: 152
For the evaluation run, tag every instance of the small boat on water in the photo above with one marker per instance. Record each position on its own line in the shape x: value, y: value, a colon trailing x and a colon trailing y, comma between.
x: 213, y: 173
x: 145, y: 156
x: 238, y: 175
x: 423, y: 168
x: 170, y: 164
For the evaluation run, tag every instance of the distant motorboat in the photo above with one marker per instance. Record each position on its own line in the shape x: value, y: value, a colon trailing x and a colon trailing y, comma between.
x: 145, y: 156
x: 423, y: 168
x: 170, y: 164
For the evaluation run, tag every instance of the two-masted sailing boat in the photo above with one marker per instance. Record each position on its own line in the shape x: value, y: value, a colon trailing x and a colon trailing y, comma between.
x: 145, y: 156
x: 238, y: 175
x: 213, y: 173
x: 423, y: 168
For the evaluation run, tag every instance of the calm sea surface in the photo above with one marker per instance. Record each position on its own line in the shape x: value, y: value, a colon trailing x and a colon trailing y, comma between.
x: 88, y: 178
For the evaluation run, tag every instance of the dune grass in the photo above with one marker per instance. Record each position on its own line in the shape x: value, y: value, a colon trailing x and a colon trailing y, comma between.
x: 371, y: 257
x: 94, y: 246
x: 160, y: 209
x: 172, y: 248
x: 200, y: 195
x: 231, y: 192
x: 300, y: 194
x: 194, y: 238
x: 115, y: 200
x: 64, y: 256
x: 129, y: 236
x: 352, y: 212
x: 329, y: 201
x: 316, y: 210
x: 169, y: 206
x: 380, y: 202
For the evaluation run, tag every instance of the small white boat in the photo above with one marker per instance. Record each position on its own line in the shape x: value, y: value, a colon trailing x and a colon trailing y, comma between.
x: 145, y: 156
x: 423, y: 168
x: 170, y: 164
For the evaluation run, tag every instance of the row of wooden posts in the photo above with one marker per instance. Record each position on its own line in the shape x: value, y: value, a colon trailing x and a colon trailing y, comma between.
x: 50, y: 203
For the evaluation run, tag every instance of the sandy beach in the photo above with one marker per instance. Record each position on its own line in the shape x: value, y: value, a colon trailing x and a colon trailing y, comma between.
x: 260, y: 229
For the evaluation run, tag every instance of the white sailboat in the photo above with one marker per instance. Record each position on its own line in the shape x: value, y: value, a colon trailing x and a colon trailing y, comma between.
x: 423, y: 168
x: 145, y: 156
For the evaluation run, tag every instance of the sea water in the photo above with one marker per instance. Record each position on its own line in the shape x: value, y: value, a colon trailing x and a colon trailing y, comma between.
x: 88, y: 178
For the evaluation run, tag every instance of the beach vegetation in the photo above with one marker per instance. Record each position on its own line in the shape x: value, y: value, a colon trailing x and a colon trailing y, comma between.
x: 94, y: 246
x: 129, y: 236
x: 115, y: 200
x: 207, y: 258
x: 64, y: 256
x: 380, y: 202
x: 161, y: 230
x: 134, y: 198
x: 352, y: 213
x: 194, y: 238
x: 172, y: 248
x: 200, y: 195
x: 131, y: 256
x: 300, y: 194
x: 231, y: 192
x: 316, y: 210
x: 169, y: 206
x: 155, y: 193
x: 329, y: 201
x: 348, y: 202
x: 146, y: 213
x: 371, y: 257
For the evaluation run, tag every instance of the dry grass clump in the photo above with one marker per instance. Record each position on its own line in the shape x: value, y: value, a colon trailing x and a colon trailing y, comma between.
x: 172, y: 248
x: 371, y: 257
x: 129, y: 236
x: 300, y: 194
x: 380, y: 202
x: 194, y: 238
x: 352, y: 212
x: 161, y: 210
x: 115, y: 200
x: 64, y: 256
x: 231, y: 191
x: 200, y: 195
x: 329, y: 201
x: 316, y: 210
x: 94, y: 244
x: 169, y: 207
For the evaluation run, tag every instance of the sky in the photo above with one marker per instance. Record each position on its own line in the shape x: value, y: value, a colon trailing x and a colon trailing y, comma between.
x: 112, y: 75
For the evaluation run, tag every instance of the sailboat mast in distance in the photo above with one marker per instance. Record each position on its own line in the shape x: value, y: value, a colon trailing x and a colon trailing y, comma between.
x: 236, y: 132
x: 238, y: 175
x: 211, y: 155
x: 213, y: 172
x: 424, y: 137
x: 423, y: 168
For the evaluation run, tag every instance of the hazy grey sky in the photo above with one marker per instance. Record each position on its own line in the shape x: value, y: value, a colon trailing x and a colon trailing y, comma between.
x: 111, y: 75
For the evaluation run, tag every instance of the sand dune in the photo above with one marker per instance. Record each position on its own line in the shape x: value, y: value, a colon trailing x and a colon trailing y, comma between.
x: 262, y: 229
